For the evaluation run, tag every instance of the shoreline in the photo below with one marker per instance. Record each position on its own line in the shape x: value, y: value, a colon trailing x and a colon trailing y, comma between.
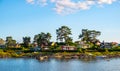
x: 82, y: 56
x: 87, y: 56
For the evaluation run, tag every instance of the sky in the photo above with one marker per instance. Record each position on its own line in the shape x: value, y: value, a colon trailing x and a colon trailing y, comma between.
x: 19, y: 18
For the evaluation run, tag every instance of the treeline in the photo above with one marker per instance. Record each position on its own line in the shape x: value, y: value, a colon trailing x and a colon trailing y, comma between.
x: 62, y: 36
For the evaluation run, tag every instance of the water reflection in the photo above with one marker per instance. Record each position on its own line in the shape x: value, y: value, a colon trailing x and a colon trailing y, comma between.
x: 59, y: 65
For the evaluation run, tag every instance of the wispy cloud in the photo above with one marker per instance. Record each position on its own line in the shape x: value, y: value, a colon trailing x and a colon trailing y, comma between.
x: 68, y: 6
x: 39, y: 2
x: 30, y: 1
x: 106, y: 1
x: 71, y: 6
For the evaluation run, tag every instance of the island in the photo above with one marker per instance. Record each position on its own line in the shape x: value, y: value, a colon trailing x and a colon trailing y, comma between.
x: 88, y: 47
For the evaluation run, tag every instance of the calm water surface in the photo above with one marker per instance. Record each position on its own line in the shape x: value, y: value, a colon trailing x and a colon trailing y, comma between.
x: 22, y: 64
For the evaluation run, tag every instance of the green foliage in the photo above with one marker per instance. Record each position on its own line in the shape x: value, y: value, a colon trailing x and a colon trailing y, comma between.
x: 72, y: 44
x: 68, y: 41
x: 14, y: 55
x: 1, y: 50
x: 42, y: 39
x: 10, y: 43
x: 63, y: 34
x: 52, y: 47
x: 89, y: 35
x: 60, y: 43
x: 91, y: 45
x: 106, y: 51
x: 9, y: 38
x: 114, y: 49
x: 65, y: 53
x: 4, y: 54
x: 26, y: 42
x: 80, y: 50
x: 58, y: 48
x: 84, y: 50
x: 2, y: 42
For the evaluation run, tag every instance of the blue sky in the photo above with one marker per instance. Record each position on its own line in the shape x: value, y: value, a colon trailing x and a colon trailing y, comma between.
x: 19, y: 18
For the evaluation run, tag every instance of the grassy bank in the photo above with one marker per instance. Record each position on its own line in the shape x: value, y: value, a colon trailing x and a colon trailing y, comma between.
x: 80, y: 53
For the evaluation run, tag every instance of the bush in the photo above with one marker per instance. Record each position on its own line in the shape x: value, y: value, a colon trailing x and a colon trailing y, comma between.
x: 14, y: 55
x: 80, y: 50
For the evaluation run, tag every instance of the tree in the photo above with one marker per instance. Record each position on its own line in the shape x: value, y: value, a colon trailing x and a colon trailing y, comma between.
x: 48, y: 37
x: 63, y: 34
x: 10, y: 43
x: 2, y: 42
x: 9, y: 38
x: 69, y: 41
x: 36, y: 37
x: 42, y: 39
x: 89, y: 36
x: 26, y: 41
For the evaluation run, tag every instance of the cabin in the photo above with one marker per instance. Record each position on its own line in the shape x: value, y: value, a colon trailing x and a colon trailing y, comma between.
x: 35, y: 44
x: 68, y: 48
x: 114, y: 44
x: 17, y: 45
x: 85, y: 46
x: 2, y: 43
x: 37, y: 49
x: 82, y: 44
x: 2, y: 46
x: 45, y: 48
x: 106, y: 45
x: 118, y: 45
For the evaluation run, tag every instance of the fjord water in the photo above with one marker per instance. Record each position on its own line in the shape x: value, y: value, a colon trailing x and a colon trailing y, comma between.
x: 22, y: 64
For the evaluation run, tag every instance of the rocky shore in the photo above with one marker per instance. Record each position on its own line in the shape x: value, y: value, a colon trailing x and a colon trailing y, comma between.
x: 82, y: 56
x: 64, y: 55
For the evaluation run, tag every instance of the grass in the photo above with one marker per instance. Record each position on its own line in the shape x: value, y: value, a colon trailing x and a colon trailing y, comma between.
x: 26, y: 52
